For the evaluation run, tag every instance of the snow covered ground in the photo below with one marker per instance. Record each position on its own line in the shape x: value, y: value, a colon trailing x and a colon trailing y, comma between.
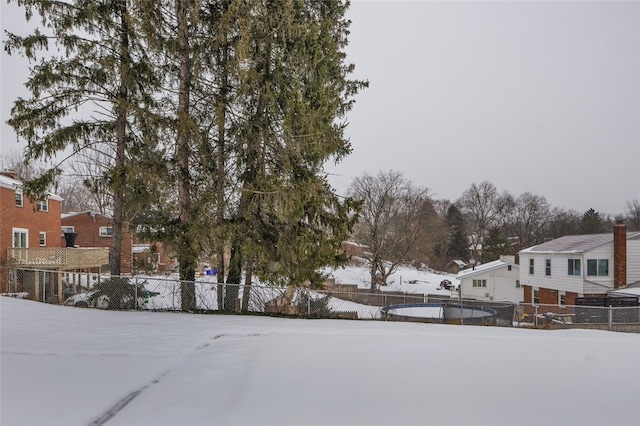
x: 406, y: 279
x: 68, y: 366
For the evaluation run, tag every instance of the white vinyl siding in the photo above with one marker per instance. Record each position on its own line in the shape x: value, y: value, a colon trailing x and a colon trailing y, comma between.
x: 480, y: 283
x: 559, y: 280
x: 633, y: 260
x: 584, y: 283
x: 495, y: 284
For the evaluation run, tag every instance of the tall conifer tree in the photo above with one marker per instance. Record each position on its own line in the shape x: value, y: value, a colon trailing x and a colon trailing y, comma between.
x: 91, y: 90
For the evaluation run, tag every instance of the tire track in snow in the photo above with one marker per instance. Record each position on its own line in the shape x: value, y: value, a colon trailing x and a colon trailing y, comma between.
x: 109, y: 414
x: 124, y: 401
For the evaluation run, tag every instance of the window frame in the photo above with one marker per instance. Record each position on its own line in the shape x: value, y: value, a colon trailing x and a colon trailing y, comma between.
x: 42, y: 238
x: 106, y: 233
x: 21, y: 231
x: 535, y: 295
x: 598, y: 263
x: 19, y: 196
x: 574, y: 267
x: 518, y: 285
x: 479, y: 283
x: 532, y: 266
x: 547, y: 267
x: 562, y: 298
x: 65, y: 229
x: 43, y: 205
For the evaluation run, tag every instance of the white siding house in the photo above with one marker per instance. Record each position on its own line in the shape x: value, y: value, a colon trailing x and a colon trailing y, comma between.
x: 495, y: 281
x: 578, y: 264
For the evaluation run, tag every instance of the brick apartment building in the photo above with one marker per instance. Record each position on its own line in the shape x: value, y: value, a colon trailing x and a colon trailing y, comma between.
x: 25, y: 223
x: 96, y: 230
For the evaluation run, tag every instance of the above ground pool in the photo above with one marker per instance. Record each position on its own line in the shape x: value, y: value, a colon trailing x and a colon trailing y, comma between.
x: 439, y: 313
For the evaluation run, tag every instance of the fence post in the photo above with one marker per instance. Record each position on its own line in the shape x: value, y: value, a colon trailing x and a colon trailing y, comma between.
x: 309, y: 304
x: 36, y: 277
x: 610, y: 316
x: 535, y: 315
x: 135, y: 292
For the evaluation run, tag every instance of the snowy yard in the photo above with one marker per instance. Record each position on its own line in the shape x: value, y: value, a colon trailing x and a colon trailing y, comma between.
x: 68, y: 366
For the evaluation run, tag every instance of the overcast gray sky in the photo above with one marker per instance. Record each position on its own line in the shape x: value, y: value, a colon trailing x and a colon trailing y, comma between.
x: 532, y: 96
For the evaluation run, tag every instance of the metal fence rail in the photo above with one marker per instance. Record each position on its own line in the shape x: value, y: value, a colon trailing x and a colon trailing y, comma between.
x: 154, y: 293
x: 610, y: 318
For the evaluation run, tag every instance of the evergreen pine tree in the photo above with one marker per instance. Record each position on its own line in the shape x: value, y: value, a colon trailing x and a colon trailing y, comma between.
x: 459, y: 243
x: 91, y: 91
x: 592, y: 223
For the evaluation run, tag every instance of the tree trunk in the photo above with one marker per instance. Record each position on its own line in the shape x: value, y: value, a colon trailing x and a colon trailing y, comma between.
x: 221, y: 175
x: 115, y: 262
x: 233, y: 279
x: 246, y: 291
x: 187, y: 256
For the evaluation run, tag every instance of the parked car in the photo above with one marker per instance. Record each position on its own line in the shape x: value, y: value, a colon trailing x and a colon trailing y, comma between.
x: 82, y: 301
x: 101, y: 301
x: 113, y: 293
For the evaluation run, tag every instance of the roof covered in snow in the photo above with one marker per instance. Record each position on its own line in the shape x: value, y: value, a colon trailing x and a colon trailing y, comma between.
x: 89, y: 212
x: 576, y: 243
x: 484, y: 267
x: 10, y: 183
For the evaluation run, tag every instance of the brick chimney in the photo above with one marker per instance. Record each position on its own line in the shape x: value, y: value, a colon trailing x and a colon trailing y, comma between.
x: 619, y: 254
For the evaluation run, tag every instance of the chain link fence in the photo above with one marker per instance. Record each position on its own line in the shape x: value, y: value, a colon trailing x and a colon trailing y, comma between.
x: 156, y: 293
x: 612, y: 318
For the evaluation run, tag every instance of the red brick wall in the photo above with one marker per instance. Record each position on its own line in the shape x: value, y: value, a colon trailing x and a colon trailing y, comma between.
x: 87, y: 226
x: 571, y: 298
x: 548, y: 296
x: 352, y: 249
x: 528, y: 294
x: 26, y: 217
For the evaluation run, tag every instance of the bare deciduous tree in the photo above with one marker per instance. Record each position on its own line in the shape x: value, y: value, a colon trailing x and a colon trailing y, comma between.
x: 483, y: 205
x: 531, y: 215
x: 15, y: 161
x: 633, y: 215
x: 393, y: 219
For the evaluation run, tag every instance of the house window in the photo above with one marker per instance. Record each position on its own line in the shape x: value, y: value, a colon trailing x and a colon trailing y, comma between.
x: 106, y: 231
x: 43, y: 206
x: 479, y: 283
x: 547, y: 267
x: 536, y: 296
x: 518, y: 284
x: 598, y: 267
x: 573, y: 267
x: 43, y: 238
x: 531, y: 266
x: 508, y: 267
x: 20, y: 238
x: 19, y: 197
x: 66, y: 229
x: 562, y: 299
